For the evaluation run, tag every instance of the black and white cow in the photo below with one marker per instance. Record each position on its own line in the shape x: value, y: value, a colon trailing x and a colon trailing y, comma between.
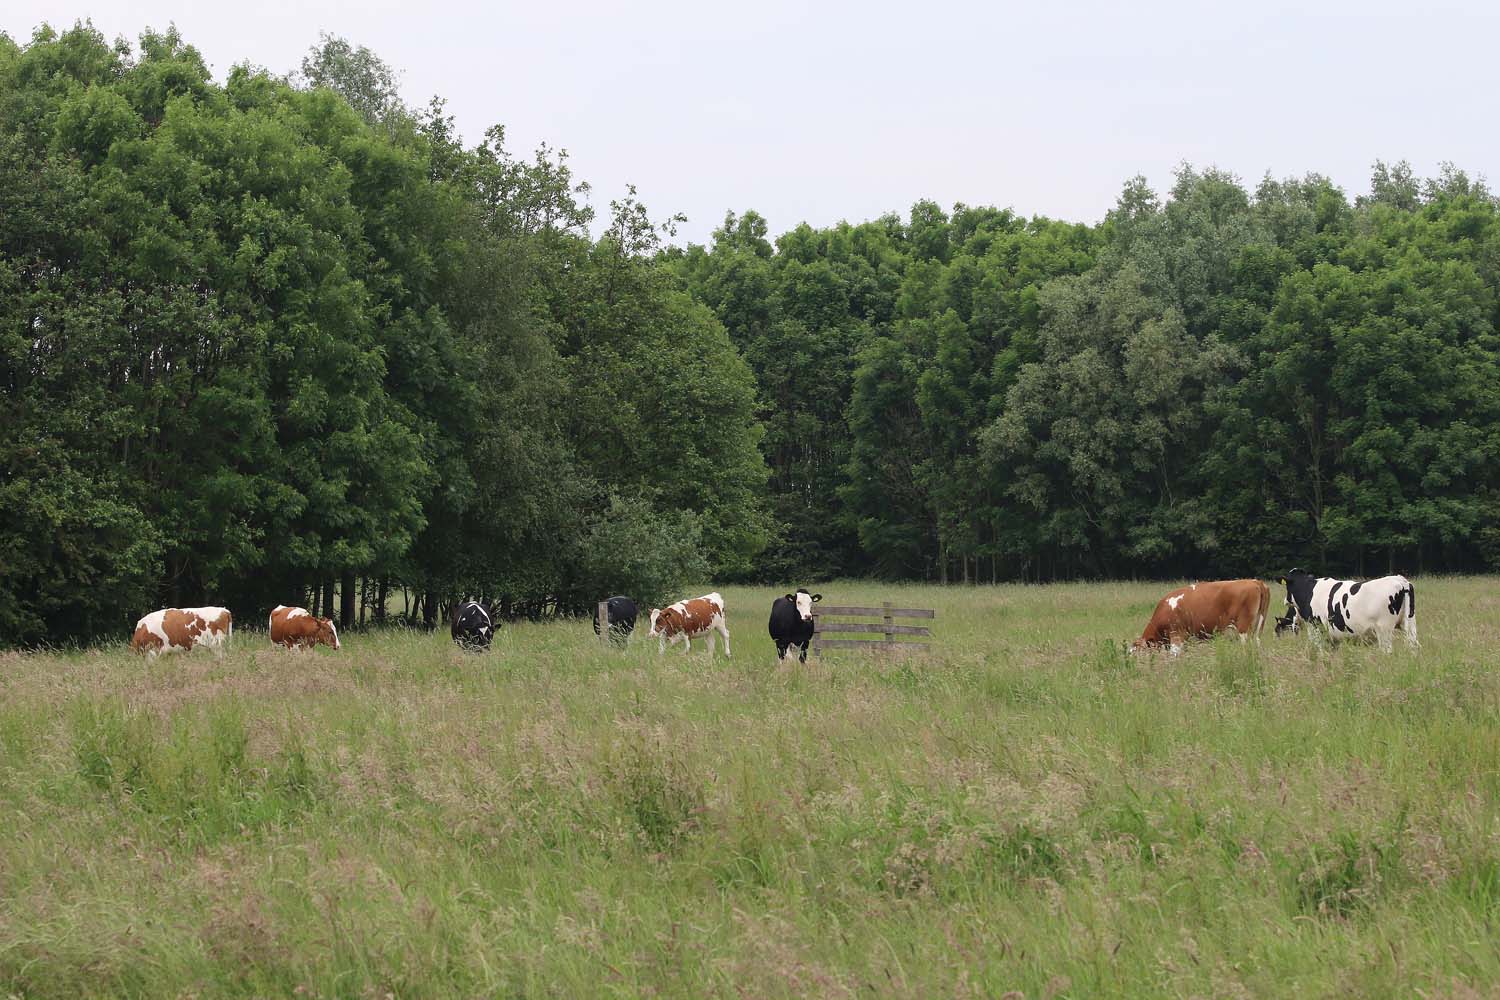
x: 1348, y: 608
x: 473, y: 626
x: 622, y: 614
x: 792, y: 622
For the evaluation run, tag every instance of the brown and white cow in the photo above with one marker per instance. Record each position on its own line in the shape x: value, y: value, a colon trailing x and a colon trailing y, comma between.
x: 173, y: 630
x: 296, y: 628
x: 1199, y: 610
x: 689, y: 620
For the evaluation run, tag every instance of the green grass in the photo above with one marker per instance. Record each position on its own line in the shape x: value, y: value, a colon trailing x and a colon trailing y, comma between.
x: 1026, y: 809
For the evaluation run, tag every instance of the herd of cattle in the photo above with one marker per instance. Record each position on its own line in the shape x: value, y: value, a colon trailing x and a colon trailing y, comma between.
x: 1371, y: 609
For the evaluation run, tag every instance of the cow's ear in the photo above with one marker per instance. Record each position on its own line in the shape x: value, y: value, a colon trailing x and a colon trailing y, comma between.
x: 1281, y: 580
x: 792, y: 598
x: 817, y: 598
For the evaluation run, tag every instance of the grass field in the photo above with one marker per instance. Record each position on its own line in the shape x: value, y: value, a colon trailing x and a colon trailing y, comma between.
x: 1025, y: 810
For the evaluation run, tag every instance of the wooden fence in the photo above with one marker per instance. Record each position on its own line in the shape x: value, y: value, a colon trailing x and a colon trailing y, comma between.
x: 887, y: 627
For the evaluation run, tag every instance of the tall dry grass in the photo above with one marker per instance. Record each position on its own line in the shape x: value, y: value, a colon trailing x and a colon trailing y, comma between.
x: 1027, y: 811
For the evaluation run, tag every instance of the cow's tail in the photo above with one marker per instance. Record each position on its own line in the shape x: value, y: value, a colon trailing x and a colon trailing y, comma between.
x: 1265, y: 606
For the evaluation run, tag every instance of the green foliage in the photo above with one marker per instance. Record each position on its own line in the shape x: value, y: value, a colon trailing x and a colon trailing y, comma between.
x: 260, y: 336
x: 256, y: 338
x: 1215, y: 383
x: 632, y: 549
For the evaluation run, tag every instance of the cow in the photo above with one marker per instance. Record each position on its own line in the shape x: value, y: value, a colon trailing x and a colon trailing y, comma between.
x: 1348, y: 608
x: 689, y: 620
x: 295, y: 628
x: 622, y: 614
x: 172, y: 630
x: 792, y: 622
x: 473, y: 626
x: 1199, y: 610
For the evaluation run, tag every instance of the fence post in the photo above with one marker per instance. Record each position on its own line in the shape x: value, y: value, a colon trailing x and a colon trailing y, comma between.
x: 890, y: 631
x: 817, y: 634
x: 603, y: 612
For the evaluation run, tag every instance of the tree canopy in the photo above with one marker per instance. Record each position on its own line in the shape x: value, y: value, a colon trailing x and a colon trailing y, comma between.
x: 270, y: 338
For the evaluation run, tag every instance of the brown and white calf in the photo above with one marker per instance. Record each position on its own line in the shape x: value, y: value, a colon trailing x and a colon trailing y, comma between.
x: 688, y: 620
x: 1199, y: 610
x: 174, y: 630
x: 296, y: 628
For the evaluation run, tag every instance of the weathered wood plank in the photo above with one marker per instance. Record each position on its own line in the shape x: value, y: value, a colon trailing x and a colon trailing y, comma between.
x: 871, y: 627
x: 822, y: 611
x: 872, y: 644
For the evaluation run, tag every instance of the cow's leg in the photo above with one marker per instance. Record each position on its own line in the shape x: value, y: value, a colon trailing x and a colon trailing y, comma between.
x: 724, y: 631
x: 1384, y: 636
x: 710, y: 645
x: 1409, y: 629
x: 804, y: 651
x: 661, y: 645
x: 783, y: 649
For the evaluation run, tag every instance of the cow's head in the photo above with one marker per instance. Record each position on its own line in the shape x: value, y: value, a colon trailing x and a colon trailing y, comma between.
x: 655, y: 613
x: 327, y: 633
x: 1299, y: 587
x: 804, y: 602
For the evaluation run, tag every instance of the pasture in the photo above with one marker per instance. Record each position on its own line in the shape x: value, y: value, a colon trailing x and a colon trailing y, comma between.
x: 1027, y: 809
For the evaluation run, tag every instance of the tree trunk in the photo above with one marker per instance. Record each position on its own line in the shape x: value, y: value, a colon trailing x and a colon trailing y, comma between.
x: 380, y: 600
x: 327, y: 611
x: 346, y: 600
x: 429, y: 610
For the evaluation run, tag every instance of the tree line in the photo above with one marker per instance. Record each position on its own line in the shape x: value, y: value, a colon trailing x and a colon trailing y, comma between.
x: 1223, y: 382
x: 287, y: 338
x: 284, y: 338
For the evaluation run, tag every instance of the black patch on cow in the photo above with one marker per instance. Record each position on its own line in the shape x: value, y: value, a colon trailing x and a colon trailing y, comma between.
x: 787, y: 627
x: 1354, y: 587
x: 1406, y: 595
x: 1336, y: 618
x: 622, y: 612
x: 1299, y: 591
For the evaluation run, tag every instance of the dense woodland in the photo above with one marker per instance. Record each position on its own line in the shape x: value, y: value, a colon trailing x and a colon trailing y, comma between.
x: 282, y: 338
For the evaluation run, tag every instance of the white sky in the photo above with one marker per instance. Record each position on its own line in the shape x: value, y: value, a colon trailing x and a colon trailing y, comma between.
x: 822, y: 112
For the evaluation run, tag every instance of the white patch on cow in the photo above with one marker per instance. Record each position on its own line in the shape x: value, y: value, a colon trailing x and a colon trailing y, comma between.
x: 804, y: 605
x: 1172, y: 602
x: 1176, y: 648
x: 202, y: 635
x: 335, y: 630
x: 297, y: 613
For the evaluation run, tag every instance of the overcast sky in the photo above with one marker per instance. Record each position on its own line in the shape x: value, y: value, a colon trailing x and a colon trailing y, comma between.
x: 822, y: 112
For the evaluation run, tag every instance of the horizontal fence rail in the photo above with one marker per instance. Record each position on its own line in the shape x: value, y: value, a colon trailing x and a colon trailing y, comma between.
x: 886, y: 628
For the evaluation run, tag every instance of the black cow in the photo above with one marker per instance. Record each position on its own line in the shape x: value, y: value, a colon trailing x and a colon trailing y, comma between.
x: 792, y: 622
x: 622, y: 612
x: 473, y: 626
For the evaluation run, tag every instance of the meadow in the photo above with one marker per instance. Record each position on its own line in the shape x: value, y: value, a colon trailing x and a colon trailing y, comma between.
x: 1025, y: 811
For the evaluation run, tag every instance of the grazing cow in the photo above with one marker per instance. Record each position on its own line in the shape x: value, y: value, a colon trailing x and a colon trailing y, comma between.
x: 1347, y: 608
x: 1199, y: 610
x: 792, y: 622
x: 689, y: 620
x: 296, y: 628
x: 622, y: 614
x: 473, y: 626
x: 173, y: 630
